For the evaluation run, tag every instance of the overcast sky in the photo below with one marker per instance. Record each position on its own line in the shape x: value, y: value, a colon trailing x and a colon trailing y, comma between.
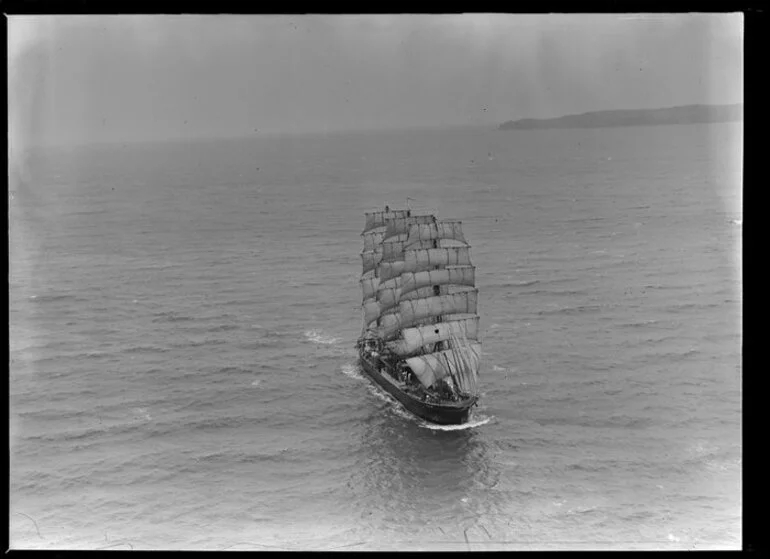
x: 80, y: 79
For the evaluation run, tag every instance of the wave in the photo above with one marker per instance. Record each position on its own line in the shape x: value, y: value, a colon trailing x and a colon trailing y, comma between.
x: 145, y: 349
x: 522, y: 283
x: 171, y: 316
x: 616, y: 421
x: 140, y: 416
x: 232, y: 370
x: 223, y: 328
x: 638, y: 324
x: 318, y: 337
x: 280, y: 455
x: 684, y: 307
x: 580, y: 309
x: 50, y: 298
x: 183, y: 345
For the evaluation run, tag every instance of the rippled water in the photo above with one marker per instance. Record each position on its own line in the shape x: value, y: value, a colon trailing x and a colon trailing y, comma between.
x: 183, y: 319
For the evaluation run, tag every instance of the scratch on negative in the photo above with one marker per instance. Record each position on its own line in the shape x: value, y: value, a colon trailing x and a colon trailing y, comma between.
x: 34, y: 522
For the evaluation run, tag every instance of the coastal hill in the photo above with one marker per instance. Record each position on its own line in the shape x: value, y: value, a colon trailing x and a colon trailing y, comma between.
x: 687, y: 114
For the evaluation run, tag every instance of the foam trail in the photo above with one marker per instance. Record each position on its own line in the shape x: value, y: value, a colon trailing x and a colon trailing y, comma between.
x: 394, y: 405
x: 470, y: 425
x: 318, y: 337
x: 351, y: 370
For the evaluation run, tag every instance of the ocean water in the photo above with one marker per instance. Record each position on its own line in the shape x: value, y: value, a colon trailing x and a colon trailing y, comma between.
x: 183, y: 319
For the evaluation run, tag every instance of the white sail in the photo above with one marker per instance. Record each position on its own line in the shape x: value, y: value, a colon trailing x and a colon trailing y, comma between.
x: 400, y: 225
x: 369, y: 287
x: 371, y: 259
x: 412, y: 312
x: 372, y: 311
x: 390, y: 297
x: 444, y: 229
x: 393, y: 249
x: 461, y: 275
x: 429, y: 307
x: 425, y: 259
x: 413, y: 339
x: 372, y: 239
x: 458, y: 363
x: 377, y: 219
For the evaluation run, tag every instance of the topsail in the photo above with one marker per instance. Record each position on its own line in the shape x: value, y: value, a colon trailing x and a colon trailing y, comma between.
x: 414, y: 339
x: 377, y: 219
x: 400, y: 225
x: 416, y: 310
x: 443, y: 229
x: 425, y: 259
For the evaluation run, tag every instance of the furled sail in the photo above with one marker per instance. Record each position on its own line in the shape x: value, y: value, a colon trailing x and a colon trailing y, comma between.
x: 377, y: 219
x: 371, y: 259
x: 369, y: 287
x: 461, y: 275
x: 413, y: 339
x: 372, y: 239
x: 459, y: 363
x: 413, y: 311
x: 425, y: 259
x: 444, y: 229
x: 400, y: 225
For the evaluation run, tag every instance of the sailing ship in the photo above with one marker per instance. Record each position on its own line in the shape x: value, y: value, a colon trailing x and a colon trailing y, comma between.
x: 420, y: 339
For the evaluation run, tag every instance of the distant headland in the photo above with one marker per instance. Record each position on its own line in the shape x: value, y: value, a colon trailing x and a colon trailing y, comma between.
x: 687, y: 114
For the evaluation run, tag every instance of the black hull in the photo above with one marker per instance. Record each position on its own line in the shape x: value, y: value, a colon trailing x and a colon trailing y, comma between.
x: 454, y: 413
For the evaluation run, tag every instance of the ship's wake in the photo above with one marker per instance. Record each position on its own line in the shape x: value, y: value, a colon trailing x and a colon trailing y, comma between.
x: 472, y: 424
x: 351, y: 370
x: 318, y: 337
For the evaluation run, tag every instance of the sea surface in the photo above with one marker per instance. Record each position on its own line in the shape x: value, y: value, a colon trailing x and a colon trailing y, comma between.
x: 183, y: 319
